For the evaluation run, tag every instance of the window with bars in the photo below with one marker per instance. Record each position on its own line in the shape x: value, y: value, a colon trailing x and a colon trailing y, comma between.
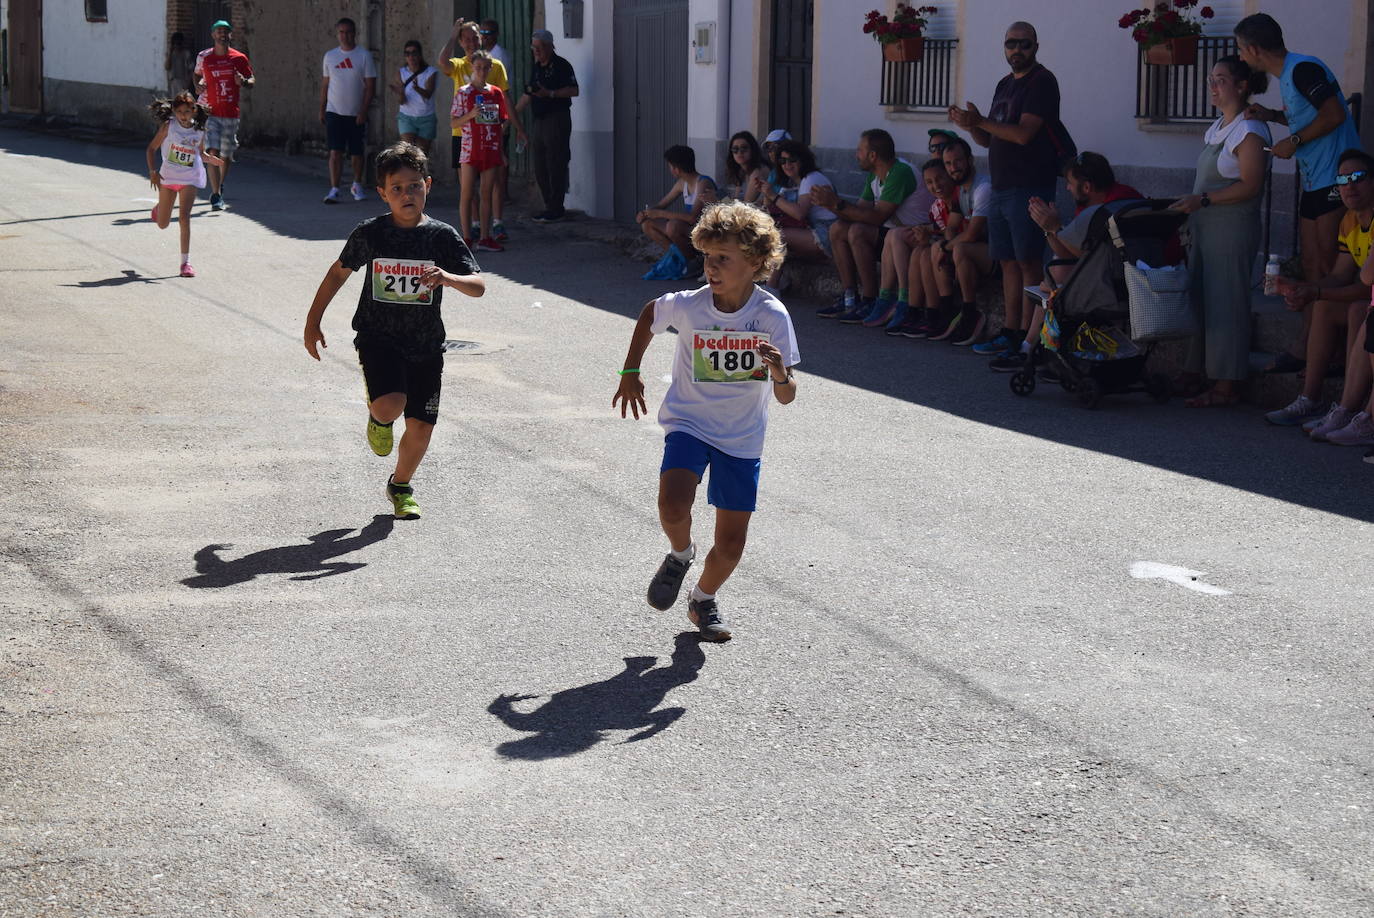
x: 924, y: 85
x: 1179, y: 93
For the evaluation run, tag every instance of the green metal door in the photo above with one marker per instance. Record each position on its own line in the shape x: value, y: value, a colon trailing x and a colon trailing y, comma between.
x: 516, y: 18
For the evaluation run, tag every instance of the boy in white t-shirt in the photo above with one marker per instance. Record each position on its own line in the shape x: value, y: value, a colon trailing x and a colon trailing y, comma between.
x: 735, y: 352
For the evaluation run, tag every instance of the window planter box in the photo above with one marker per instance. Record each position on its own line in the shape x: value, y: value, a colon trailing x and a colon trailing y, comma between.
x: 904, y: 50
x: 1175, y: 52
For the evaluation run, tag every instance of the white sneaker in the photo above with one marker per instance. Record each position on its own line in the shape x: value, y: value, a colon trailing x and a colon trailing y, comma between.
x: 1302, y: 409
x: 332, y: 197
x: 1359, y: 432
x: 1335, y: 419
x: 358, y: 193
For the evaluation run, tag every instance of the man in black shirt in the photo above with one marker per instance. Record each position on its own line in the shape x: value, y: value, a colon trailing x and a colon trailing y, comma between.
x: 549, y: 96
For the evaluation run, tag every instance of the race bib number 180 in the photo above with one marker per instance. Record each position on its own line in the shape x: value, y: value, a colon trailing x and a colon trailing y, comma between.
x: 397, y: 281
x: 730, y: 357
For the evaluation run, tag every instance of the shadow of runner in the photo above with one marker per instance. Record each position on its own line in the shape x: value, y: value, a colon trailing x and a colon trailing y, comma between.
x: 307, y: 562
x: 573, y: 720
x: 128, y: 277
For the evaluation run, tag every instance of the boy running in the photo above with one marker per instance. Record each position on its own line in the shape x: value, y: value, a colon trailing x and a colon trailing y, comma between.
x: 735, y: 352
x: 400, y: 340
x: 480, y: 110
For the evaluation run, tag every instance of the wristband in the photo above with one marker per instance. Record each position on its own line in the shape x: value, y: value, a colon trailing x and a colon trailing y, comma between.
x: 628, y: 372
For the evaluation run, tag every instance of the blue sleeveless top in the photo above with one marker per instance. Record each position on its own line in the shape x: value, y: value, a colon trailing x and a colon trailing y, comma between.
x: 1318, y: 158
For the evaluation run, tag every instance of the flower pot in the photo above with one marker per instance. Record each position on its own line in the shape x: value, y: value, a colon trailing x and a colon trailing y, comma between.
x: 908, y: 50
x: 1173, y: 52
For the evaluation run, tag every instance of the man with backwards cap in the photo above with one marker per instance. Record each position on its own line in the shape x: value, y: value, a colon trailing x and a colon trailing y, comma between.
x: 770, y: 143
x: 219, y: 72
x: 549, y: 95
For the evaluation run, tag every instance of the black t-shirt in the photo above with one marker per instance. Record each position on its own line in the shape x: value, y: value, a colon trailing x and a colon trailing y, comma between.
x: 1310, y: 80
x: 557, y: 74
x: 1034, y: 165
x: 394, y: 308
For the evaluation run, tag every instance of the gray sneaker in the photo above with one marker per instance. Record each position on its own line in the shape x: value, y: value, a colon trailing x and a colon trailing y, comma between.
x: 704, y: 614
x: 1301, y: 409
x: 667, y: 582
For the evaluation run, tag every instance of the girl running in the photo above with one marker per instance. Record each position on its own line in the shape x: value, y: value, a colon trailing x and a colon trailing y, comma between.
x: 181, y: 138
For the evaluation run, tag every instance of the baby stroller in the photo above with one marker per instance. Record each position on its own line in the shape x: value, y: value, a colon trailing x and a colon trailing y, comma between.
x: 1092, y: 353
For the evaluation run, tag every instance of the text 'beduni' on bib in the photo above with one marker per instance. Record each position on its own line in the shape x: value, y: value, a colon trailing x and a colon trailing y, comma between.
x: 397, y: 281
x: 727, y: 356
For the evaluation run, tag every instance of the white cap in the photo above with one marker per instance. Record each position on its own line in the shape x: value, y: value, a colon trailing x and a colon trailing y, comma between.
x: 776, y: 135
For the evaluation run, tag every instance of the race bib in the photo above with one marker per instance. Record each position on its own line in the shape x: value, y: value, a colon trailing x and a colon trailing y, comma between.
x: 396, y: 281
x: 729, y: 357
x: 181, y: 156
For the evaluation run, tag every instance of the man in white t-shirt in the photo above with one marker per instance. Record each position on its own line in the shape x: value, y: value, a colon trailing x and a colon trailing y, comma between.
x: 961, y: 256
x: 490, y: 34
x: 350, y: 83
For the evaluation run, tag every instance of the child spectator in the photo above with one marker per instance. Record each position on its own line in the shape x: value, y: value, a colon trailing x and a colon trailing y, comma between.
x: 181, y: 139
x: 735, y: 352
x: 673, y: 228
x: 480, y: 111
x: 410, y: 258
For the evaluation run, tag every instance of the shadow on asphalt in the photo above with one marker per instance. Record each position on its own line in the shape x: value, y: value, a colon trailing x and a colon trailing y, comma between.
x: 574, y: 720
x: 127, y: 276
x: 306, y: 562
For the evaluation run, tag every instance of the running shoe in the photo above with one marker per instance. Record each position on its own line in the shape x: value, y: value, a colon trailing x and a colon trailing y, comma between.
x: 187, y: 270
x: 402, y: 500
x: 498, y: 231
x: 968, y: 329
x: 917, y: 324
x: 1369, y: 457
x: 379, y: 437
x: 942, y: 327
x: 899, y: 314
x: 880, y: 314
x: 706, y: 616
x: 993, y: 348
x: 475, y: 231
x: 548, y: 216
x: 858, y: 312
x: 154, y: 213
x: 1359, y: 432
x: 1300, y: 410
x: 1009, y: 361
x: 834, y: 310
x: 667, y: 582
x: 359, y: 194
x: 488, y: 244
x: 332, y: 197
x: 216, y: 201
x: 1333, y: 420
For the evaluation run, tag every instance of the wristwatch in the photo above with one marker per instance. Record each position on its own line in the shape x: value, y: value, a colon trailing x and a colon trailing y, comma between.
x: 1206, y: 200
x: 1296, y: 138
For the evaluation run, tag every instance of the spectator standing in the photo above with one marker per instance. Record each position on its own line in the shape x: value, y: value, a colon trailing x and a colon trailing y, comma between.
x: 549, y: 95
x: 346, y: 92
x: 415, y: 118
x: 222, y: 72
x: 889, y: 199
x: 1224, y: 224
x: 490, y: 34
x: 480, y: 110
x: 744, y: 161
x: 1023, y: 164
x: 811, y: 240
x: 179, y: 64
x: 1318, y: 118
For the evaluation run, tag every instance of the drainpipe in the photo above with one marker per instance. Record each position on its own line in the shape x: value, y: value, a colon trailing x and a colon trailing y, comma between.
x: 724, y: 60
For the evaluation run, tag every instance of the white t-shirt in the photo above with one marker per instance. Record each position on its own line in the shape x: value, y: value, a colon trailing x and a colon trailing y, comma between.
x: 976, y: 201
x: 499, y: 53
x: 416, y: 105
x: 346, y: 71
x: 816, y: 179
x: 732, y: 416
x: 1231, y: 137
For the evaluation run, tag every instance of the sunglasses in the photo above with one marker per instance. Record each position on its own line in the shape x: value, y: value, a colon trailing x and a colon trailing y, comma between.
x: 739, y: 149
x: 412, y: 52
x: 486, y: 31
x: 938, y: 147
x: 1023, y: 44
x: 1352, y: 178
x: 785, y: 159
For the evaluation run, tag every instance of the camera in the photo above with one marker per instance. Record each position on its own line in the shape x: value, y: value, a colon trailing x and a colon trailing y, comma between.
x: 531, y: 88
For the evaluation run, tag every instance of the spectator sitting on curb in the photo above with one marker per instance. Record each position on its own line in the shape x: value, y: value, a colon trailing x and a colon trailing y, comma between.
x: 960, y: 255
x: 770, y: 147
x: 744, y: 162
x: 670, y: 228
x: 1340, y: 299
x: 802, y: 177
x: 906, y: 251
x: 890, y: 198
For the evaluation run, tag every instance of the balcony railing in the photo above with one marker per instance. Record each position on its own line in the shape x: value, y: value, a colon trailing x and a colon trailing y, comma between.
x: 925, y: 85
x: 1165, y: 94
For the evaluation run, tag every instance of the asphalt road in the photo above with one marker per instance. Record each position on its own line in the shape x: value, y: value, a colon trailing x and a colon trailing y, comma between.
x: 231, y: 685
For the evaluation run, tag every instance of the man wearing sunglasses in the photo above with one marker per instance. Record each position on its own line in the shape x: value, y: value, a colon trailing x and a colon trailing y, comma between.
x: 1024, y: 164
x: 490, y: 33
x: 1339, y: 303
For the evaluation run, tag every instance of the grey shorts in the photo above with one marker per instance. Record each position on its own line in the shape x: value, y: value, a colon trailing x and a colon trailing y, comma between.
x: 222, y: 134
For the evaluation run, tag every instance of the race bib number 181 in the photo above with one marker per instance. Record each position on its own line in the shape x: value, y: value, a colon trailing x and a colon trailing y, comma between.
x: 730, y: 357
x: 397, y: 281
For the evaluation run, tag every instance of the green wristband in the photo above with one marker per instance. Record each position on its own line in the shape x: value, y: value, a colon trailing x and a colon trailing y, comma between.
x: 625, y: 372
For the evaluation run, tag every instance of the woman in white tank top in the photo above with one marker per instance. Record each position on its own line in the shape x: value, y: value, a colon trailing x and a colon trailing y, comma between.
x: 181, y: 141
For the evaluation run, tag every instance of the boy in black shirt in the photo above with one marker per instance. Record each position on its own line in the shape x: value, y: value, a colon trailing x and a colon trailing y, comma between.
x: 400, y: 339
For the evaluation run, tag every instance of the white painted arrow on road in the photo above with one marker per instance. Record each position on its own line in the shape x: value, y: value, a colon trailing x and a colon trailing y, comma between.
x: 1153, y: 570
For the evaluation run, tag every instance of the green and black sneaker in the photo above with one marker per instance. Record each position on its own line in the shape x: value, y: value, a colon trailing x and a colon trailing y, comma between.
x: 379, y: 437
x: 402, y: 500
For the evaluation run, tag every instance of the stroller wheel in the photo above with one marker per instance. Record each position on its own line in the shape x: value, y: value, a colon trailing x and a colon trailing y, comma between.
x: 1089, y: 393
x: 1022, y: 382
x: 1158, y: 387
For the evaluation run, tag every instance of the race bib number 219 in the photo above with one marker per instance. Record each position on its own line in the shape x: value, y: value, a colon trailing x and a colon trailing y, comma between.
x: 397, y: 281
x: 726, y: 356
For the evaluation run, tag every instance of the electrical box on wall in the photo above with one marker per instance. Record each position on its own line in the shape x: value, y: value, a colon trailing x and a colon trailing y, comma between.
x: 704, y: 43
x: 572, y: 18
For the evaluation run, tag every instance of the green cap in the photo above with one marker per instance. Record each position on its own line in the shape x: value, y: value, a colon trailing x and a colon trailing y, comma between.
x: 221, y: 23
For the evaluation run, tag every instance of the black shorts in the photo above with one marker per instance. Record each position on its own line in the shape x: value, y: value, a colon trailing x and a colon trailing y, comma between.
x: 1368, y: 327
x: 344, y: 132
x: 386, y: 371
x: 1319, y: 202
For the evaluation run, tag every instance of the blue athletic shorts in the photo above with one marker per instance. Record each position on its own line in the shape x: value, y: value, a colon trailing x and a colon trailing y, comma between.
x: 1012, y: 234
x: 734, y: 483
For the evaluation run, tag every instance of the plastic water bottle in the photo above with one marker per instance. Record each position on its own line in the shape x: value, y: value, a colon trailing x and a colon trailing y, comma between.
x: 519, y: 147
x: 1271, y: 276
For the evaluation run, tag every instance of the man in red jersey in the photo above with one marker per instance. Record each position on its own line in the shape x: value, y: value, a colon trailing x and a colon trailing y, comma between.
x: 220, y: 72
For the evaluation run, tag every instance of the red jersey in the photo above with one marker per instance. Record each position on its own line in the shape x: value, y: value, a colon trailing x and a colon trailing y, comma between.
x: 221, y: 86
x: 482, y: 135
x: 939, y: 214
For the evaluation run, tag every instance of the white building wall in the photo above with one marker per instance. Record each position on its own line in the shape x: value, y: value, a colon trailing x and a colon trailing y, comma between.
x: 125, y: 51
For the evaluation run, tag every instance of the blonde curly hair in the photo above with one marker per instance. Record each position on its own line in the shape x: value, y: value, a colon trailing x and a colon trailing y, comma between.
x: 746, y: 226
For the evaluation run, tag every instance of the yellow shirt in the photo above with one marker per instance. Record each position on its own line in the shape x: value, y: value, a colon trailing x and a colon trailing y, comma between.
x: 1354, y: 239
x: 462, y: 74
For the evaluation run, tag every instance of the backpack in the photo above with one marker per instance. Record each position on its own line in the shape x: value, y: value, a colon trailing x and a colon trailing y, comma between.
x: 1065, y: 150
